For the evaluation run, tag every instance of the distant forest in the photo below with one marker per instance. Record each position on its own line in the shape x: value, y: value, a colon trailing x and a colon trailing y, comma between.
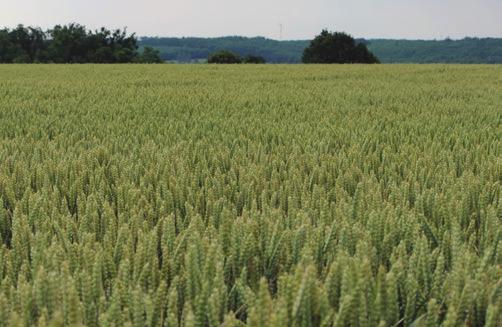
x: 193, y: 49
x: 468, y: 50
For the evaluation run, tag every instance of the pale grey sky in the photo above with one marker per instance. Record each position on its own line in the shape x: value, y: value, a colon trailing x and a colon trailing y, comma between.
x: 302, y: 19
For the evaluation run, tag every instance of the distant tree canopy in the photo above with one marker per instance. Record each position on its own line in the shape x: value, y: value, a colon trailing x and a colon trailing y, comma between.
x: 337, y: 48
x: 71, y: 43
x: 194, y: 49
x: 149, y: 55
x: 254, y: 60
x: 229, y: 57
x: 224, y: 57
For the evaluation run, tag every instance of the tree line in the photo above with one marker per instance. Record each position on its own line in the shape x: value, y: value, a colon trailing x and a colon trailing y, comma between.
x: 72, y: 43
x: 196, y: 49
x: 325, y: 48
x: 467, y: 50
x: 229, y: 57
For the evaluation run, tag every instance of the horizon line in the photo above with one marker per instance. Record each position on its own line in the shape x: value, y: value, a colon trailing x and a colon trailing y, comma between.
x: 293, y: 40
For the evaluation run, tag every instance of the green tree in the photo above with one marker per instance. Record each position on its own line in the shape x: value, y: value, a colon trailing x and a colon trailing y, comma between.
x: 74, y: 44
x: 254, y: 60
x: 224, y: 57
x: 22, y: 45
x: 337, y: 48
x: 68, y: 44
x: 149, y: 56
x: 124, y: 46
x: 71, y: 43
x: 5, y: 46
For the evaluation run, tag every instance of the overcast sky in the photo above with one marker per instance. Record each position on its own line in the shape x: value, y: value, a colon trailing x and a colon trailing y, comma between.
x: 301, y: 19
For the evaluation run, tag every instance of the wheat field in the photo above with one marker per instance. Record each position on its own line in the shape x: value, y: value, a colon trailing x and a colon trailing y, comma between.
x: 267, y: 195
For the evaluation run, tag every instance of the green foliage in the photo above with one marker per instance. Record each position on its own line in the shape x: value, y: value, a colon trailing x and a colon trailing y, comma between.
x: 224, y: 57
x: 298, y: 195
x: 467, y: 50
x: 464, y: 51
x: 71, y: 43
x: 337, y: 48
x: 195, y: 49
x: 149, y: 56
x: 228, y: 57
x: 254, y: 60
